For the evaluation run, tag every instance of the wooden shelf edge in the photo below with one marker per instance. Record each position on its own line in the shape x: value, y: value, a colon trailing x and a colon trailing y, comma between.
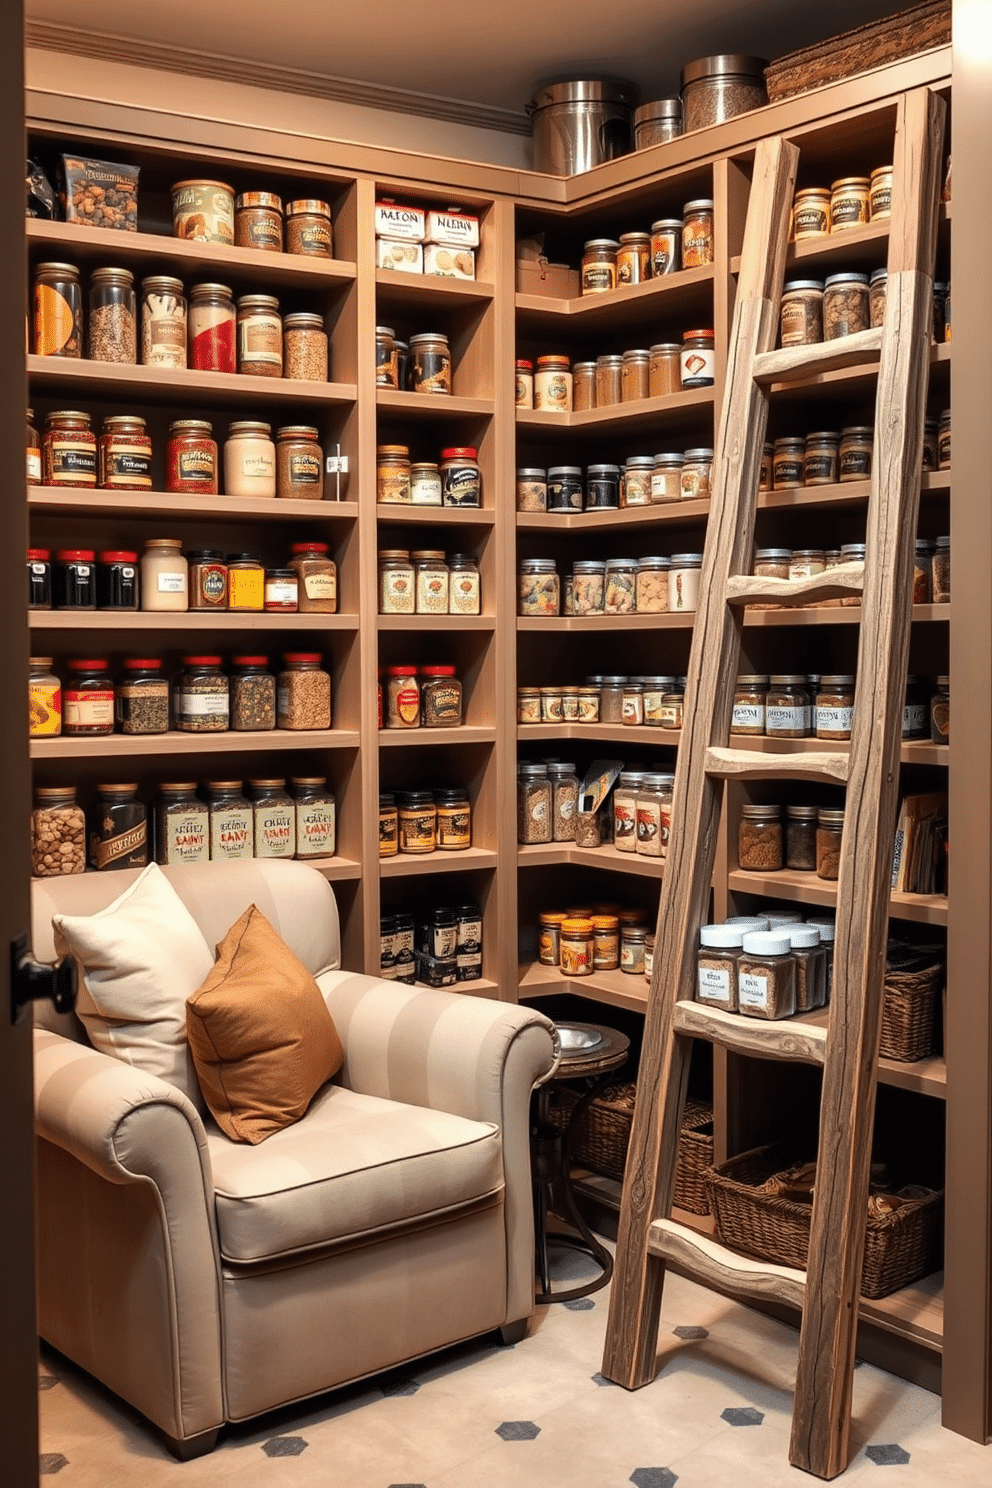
x: 481, y: 516
x: 396, y: 738
x: 184, y: 383
x: 581, y: 307
x: 441, y: 286
x: 187, y: 620
x: 628, y: 516
x: 164, y: 503
x: 432, y: 405
x: 806, y: 888
x: 405, y: 865
x: 641, y: 408
x: 166, y: 746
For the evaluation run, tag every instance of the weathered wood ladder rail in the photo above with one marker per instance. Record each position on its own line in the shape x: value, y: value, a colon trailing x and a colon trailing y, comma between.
x: 827, y: 1292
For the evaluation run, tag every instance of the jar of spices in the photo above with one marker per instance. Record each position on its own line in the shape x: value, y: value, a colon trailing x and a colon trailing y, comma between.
x: 315, y: 817
x: 111, y: 333
x: 464, y: 590
x: 141, y: 697
x: 191, y: 459
x: 845, y: 305
x: 633, y: 702
x: 811, y: 214
x: 564, y: 488
x: 638, y: 478
x: 249, y: 460
x: 787, y: 707
x: 425, y: 484
x: 940, y: 712
x: 75, y: 579
x: 252, y: 694
x: 392, y: 474
x: 164, y: 575
x: 318, y: 577
x: 417, y: 821
x: 620, y: 592
x: 212, y: 321
x: 849, y: 203
x: 834, y: 709
x: 552, y: 705
x: 33, y: 452
x: 666, y: 246
x: 810, y: 962
x: 829, y: 833
x: 431, y: 581
x: 718, y: 88
x: 666, y: 478
x: 58, y: 310
x: 440, y: 697
x: 634, y: 375
x: 182, y: 825
x: 944, y: 441
x: 258, y: 221
x: 588, y: 704
x: 553, y: 385
x: 88, y: 698
x: 610, y: 698
x: 524, y: 385
x: 698, y: 359
x: 539, y: 591
x: 800, y: 838
x: 633, y: 259
x: 748, y: 712
x: 683, y: 581
x: 787, y: 463
x: 877, y: 285
x: 821, y: 458
x: 599, y: 265
x: 564, y: 800
x: 915, y: 712
x: 532, y: 489
x: 549, y: 938
x: 602, y: 488
x: 397, y: 590
x: 528, y: 705
x: 577, y: 946
x: 583, y: 386
x: 386, y: 364
x: 304, y: 692
x: 942, y: 570
x: 68, y: 450
x: 609, y: 381
x: 245, y: 582
x: 305, y: 348
x: 856, y: 446
x: 118, y: 828
x: 274, y: 819
x: 44, y: 699
x: 117, y: 580
x: 772, y: 563
x: 454, y: 819
x: 232, y: 830
x: 806, y: 563
x: 625, y: 810
x: 759, y: 838
x: 923, y: 572
x: 802, y: 312
x: 665, y: 369
x: 201, y: 702
x: 308, y: 228
x: 697, y: 475
x: 765, y: 472
x: 697, y: 234
x: 430, y: 363
x: 299, y: 463
x: 570, y: 705
x: 124, y: 454
x: 672, y: 705
x: 58, y: 832
x: 163, y: 322
x: 39, y: 568
x: 389, y: 829
x: 650, y: 809
x: 632, y: 938
x: 534, y: 819
x: 461, y: 479
x: 766, y: 976
x: 402, y: 697
x: 259, y: 336
x: 606, y: 942
x: 716, y: 965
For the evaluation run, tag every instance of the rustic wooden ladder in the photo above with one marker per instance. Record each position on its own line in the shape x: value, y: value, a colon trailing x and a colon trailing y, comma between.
x: 827, y: 1292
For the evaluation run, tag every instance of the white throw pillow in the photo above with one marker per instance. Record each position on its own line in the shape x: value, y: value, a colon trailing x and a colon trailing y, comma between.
x: 139, y: 959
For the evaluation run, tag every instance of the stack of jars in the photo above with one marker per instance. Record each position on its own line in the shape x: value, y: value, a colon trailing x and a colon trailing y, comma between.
x: 419, y: 697
x: 210, y: 212
x: 852, y: 201
x: 455, y: 481
x: 931, y: 574
x: 811, y: 842
x: 653, y: 700
x: 614, y: 586
x: 553, y: 384
x: 424, y: 820
x: 823, y: 458
x: 803, y: 706
x: 588, y: 938
x: 766, y: 966
x: 673, y: 243
x: 642, y: 480
x: 428, y: 581
x: 420, y: 365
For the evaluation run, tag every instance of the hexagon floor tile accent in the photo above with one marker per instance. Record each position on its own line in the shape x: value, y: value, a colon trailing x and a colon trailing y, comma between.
x: 284, y: 1446
x: 518, y: 1430
x: 402, y: 1384
x: 889, y: 1455
x: 51, y: 1462
x: 742, y: 1415
x: 580, y: 1304
x: 47, y: 1381
x: 685, y: 1331
x: 653, y: 1477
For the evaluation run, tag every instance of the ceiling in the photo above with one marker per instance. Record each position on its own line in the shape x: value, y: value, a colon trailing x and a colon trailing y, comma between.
x: 490, y: 52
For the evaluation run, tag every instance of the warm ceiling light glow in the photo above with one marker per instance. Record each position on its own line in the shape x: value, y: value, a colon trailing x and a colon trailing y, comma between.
x: 973, y: 28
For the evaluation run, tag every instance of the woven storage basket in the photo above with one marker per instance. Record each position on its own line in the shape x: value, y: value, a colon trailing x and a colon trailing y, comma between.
x: 874, y: 45
x: 900, y: 1247
x: 909, y: 1013
x: 603, y: 1135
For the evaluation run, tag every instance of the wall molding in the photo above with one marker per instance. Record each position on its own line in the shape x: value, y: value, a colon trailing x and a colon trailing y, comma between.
x: 134, y: 53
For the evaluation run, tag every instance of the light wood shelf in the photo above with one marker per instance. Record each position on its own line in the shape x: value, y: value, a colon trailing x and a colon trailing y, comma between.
x: 632, y: 306
x: 432, y: 405
x: 437, y: 622
x: 86, y: 379
x: 410, y: 865
x: 398, y: 738
x: 557, y: 853
x: 644, y: 414
x: 806, y: 888
x: 140, y: 504
x: 662, y: 514
x: 454, y: 516
x: 167, y: 746
x: 124, y: 621
x: 414, y: 292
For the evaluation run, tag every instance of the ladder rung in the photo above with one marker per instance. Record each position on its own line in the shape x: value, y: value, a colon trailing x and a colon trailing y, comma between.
x: 751, y: 764
x: 796, y: 363
x: 710, y: 1262
x: 835, y: 583
x: 788, y: 1039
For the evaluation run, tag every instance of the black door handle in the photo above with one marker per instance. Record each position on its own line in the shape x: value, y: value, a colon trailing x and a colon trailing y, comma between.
x: 30, y: 981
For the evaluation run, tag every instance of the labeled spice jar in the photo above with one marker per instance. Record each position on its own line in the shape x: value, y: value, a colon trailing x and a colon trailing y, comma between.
x: 58, y: 310
x: 748, y: 712
x: 392, y: 474
x: 632, y: 940
x: 417, y: 821
x: 317, y: 574
x: 811, y: 213
x: 58, y: 832
x: 637, y: 481
x: 599, y: 266
x: 695, y: 481
x: 606, y: 942
x: 534, y: 820
x: 940, y: 712
x: 845, y: 305
x: 802, y: 312
x: 454, y: 819
x: 800, y: 838
x: 549, y: 938
x: 577, y: 947
x: 538, y: 587
x: 397, y: 588
x: 634, y: 375
x: 821, y: 458
x: 259, y: 336
x: 74, y: 579
x: 403, y: 708
x: 552, y: 705
x: 212, y: 323
x: 942, y: 570
x: 834, y: 708
x: 203, y: 211
x: 304, y: 692
x: 766, y: 976
x: 698, y: 359
x: 564, y: 800
x: 665, y: 369
x: 440, y: 697
x: 464, y: 585
x: 117, y: 580
x: 207, y: 579
x: 118, y: 828
x: 299, y: 463
x: 588, y: 586
x: 141, y: 697
x: 672, y: 705
x: 787, y: 463
x: 32, y: 452
x: 249, y: 460
x: 849, y: 203
x: 620, y: 591
x: 44, y: 699
x: 191, y: 458
x: 564, y: 489
x: 232, y: 829
x: 39, y: 570
x: 524, y: 383
x: 652, y: 807
x: 717, y: 961
x: 431, y: 581
x: 258, y: 221
x: 88, y: 698
x: 252, y: 694
x: 666, y: 478
x: 654, y: 690
x: 772, y: 563
x: 430, y: 363
x: 164, y: 575
x: 553, y: 385
x: 308, y: 228
x: 609, y: 381
x: 68, y: 450
x: 274, y: 816
x: 111, y: 331
x: 633, y: 702
x: 683, y: 581
x: 610, y: 697
x: 163, y: 322
x: 425, y: 484
x: 806, y: 563
x: 528, y: 705
x: 583, y: 386
x: 182, y: 825
x: 855, y: 456
x: 877, y: 286
x: 787, y: 707
x: 389, y: 829
x: 201, y: 699
x: 124, y: 454
x: 697, y: 234
x: 461, y: 479
x: 666, y: 246
x: 625, y: 810
x: 804, y: 942
x: 759, y: 838
x: 829, y: 832
x: 386, y: 361
x: 305, y: 354
x: 633, y: 259
x: 315, y: 817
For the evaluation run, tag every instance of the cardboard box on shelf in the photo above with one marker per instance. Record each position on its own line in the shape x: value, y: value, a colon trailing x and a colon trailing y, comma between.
x: 456, y: 229
x: 452, y: 263
x: 395, y: 221
x: 407, y: 258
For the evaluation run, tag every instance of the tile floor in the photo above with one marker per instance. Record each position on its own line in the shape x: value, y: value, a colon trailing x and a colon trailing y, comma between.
x: 538, y: 1415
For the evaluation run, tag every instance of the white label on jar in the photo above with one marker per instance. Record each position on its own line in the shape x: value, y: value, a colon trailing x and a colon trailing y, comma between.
x: 231, y: 834
x: 281, y: 591
x: 315, y: 829
x: 834, y: 720
x: 698, y: 366
x: 566, y: 806
x: 752, y: 990
x: 186, y: 837
x: 683, y: 588
x: 425, y: 490
x: 666, y: 485
x: 748, y: 715
x: 320, y: 586
x: 714, y: 985
x: 203, y: 704
x: 88, y: 709
x: 463, y: 594
x: 539, y: 810
x: 397, y: 592
x: 275, y: 831
x: 171, y: 583
x: 914, y: 718
x: 34, y: 465
x: 632, y: 710
x: 258, y: 467
x: 786, y: 720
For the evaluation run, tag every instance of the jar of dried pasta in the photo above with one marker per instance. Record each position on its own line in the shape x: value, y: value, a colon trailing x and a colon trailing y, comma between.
x: 620, y: 596
x: 588, y: 586
x: 651, y: 588
x: 829, y: 835
x: 845, y: 305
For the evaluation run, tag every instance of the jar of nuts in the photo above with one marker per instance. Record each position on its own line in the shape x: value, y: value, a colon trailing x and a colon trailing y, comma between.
x: 58, y: 832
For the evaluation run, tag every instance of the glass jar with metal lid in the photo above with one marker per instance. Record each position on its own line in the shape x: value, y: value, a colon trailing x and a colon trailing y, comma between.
x: 923, y: 572
x: 609, y: 381
x: 232, y: 823
x: 802, y: 312
x: 163, y: 322
x: 765, y: 472
x: 697, y: 475
x: 665, y: 369
x: 857, y: 444
x: 638, y: 475
x: 44, y: 699
x: 524, y: 384
x: 207, y: 579
x: 164, y: 575
x: 821, y: 458
x: 68, y: 450
x: 564, y: 799
x: 748, y: 712
x: 430, y: 363
x: 944, y: 441
x: 191, y: 458
x: 464, y: 585
x: 116, y: 579
x: 718, y: 88
x: 308, y: 228
x: 717, y: 960
x: 683, y: 581
x: 625, y: 810
x: 610, y: 697
x: 772, y: 563
x: 461, y: 478
x: 633, y: 702
x: 182, y: 824
x: 583, y: 386
x: 698, y: 360
x: 299, y: 463
x: 539, y: 587
x: 111, y: 331
x: 800, y: 838
x: 397, y: 590
x: 588, y: 586
x: 58, y: 310
x: 940, y: 712
x: 651, y: 586
x: 431, y: 581
x: 551, y: 704
x: 697, y: 234
x: 315, y: 817
x: 124, y: 454
x: 258, y: 221
x: 392, y: 474
x: 672, y: 705
x: 806, y: 563
x: 212, y: 322
x: 553, y: 385
x: 633, y: 259
x: 33, y: 452
x: 834, y: 706
x: 564, y: 488
x: 528, y: 705
x: 766, y: 975
x: 259, y: 336
x: 666, y: 478
x: 577, y: 947
x: 658, y: 122
x: 666, y: 246
x: 386, y: 366
x: 648, y: 806
x: 787, y: 463
x: 599, y: 265
x: 454, y: 818
x: 849, y: 203
x: 250, y: 460
x: 274, y: 819
x: 305, y: 348
x: 632, y: 943
x: 534, y: 821
x: 942, y: 570
x: 787, y: 707
x: 654, y: 690
x: 602, y: 488
x: 201, y: 697
x: 845, y: 305
x: 58, y: 832
x: 282, y: 591
x: 759, y: 838
x: 811, y: 213
x: 877, y: 292
x: 634, y: 375
x: 620, y: 593
x: 829, y: 838
x: 389, y: 835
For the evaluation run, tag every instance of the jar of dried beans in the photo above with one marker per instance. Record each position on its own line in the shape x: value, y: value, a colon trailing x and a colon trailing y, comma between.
x: 253, y: 694
x: 111, y: 331
x: 305, y: 347
x: 845, y: 305
x: 58, y: 832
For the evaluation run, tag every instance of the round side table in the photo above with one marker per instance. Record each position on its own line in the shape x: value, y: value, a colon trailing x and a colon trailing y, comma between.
x: 591, y: 1053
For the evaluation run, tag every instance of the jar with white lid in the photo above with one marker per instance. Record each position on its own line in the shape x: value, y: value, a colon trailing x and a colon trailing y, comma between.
x: 250, y: 460
x: 811, y: 988
x: 697, y: 475
x: 164, y: 575
x: 683, y: 582
x: 766, y: 976
x: 716, y: 962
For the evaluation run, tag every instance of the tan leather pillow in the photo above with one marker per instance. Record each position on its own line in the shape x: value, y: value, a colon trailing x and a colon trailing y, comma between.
x: 263, y: 1042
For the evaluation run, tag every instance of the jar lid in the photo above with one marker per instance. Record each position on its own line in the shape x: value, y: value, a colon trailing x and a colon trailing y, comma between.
x: 637, y: 238
x: 624, y: 565
x: 837, y: 679
x: 667, y: 224
x: 672, y: 460
x: 853, y: 550
x: 258, y: 199
x: 309, y: 547
x: 944, y: 683
x: 301, y: 658
x: 802, y: 813
x: 631, y: 778
x: 855, y: 430
x: 766, y: 943
x: 201, y: 661
x: 811, y: 191
x: 57, y: 268
x: 755, y: 811
x: 697, y: 335
x: 267, y: 784
x: 790, y: 441
x: 654, y: 565
x: 804, y: 937
x: 128, y: 789
x: 173, y: 544
x: 55, y: 792
x: 809, y: 552
x: 112, y: 276
x: 68, y: 413
x: 724, y: 64
x: 39, y: 555
x: 634, y: 933
x: 219, y: 185
x: 795, y: 284
x: 257, y: 302
x: 437, y: 671
x: 201, y: 291
x: 639, y: 462
x: 250, y: 660
x: 531, y: 472
x: 523, y: 365
x: 297, y: 431
x: 826, y: 925
x: 597, y: 243
x: 426, y: 465
x: 698, y: 454
x: 460, y: 452
x: 608, y: 681
x: 587, y: 368
x: 657, y: 682
x: 553, y: 361
x: 877, y: 275
x: 176, y: 787
x: 831, y: 816
x: 142, y: 663
x: 113, y: 555
x: 942, y: 542
x: 659, y: 108
x: 423, y: 336
x: 249, y: 426
x: 589, y: 565
x: 701, y: 204
x: 787, y: 679
x: 823, y: 436
x: 858, y: 181
x: 687, y: 560
x: 751, y: 679
x: 844, y: 278
x: 401, y: 671
x: 610, y: 362
x: 308, y: 780
x: 222, y: 785
x: 190, y: 426
x: 115, y: 421
x: 392, y: 451
x: 162, y: 284
x: 280, y: 573
x: 558, y: 470
x: 725, y: 937
x: 577, y: 927
x: 771, y: 553
x: 303, y: 320
x: 386, y: 798
x: 756, y: 922
x: 89, y: 664
x: 632, y: 685
x: 593, y: 470
x: 561, y: 767
x: 532, y: 770
x: 307, y: 206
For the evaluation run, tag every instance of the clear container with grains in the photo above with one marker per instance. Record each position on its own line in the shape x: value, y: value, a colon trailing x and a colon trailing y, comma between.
x: 609, y: 381
x: 583, y: 387
x: 649, y: 810
x: 697, y: 474
x: 317, y: 576
x: 620, y: 594
x: 232, y: 823
x: 191, y: 458
x: 625, y: 810
x: 274, y: 819
x: 802, y: 312
x: 665, y: 369
x: 111, y: 331
x: 759, y: 838
x: 657, y: 122
x: 534, y: 811
x: 633, y: 702
x: 201, y: 696
x: 58, y: 832
x: 304, y: 347
x: 634, y: 375
x: 610, y: 697
x: 804, y: 941
x: 834, y: 707
x: 299, y: 463
x: 845, y: 305
x: 666, y: 478
x: 877, y: 286
x: 539, y: 588
x: 766, y: 976
x: 68, y: 450
x: 397, y: 587
x: 800, y: 838
x: 651, y: 586
x: 588, y: 586
x: 303, y: 692
x: 829, y: 836
x: 259, y: 336
x: 532, y: 489
x: 440, y: 697
x: 253, y: 694
x: 720, y: 87
x: 124, y: 454
x: 564, y: 799
x: 182, y: 824
x: 748, y: 712
x: 141, y: 697
x: 716, y: 965
x: 787, y: 707
x: 212, y: 328
x: 309, y: 229
x: 942, y: 570
x: 315, y: 817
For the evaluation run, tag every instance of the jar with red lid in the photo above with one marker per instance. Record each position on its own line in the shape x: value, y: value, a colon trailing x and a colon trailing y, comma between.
x: 440, y: 697
x: 212, y: 320
x: 124, y: 454
x: 698, y: 359
x: 282, y: 591
x: 258, y: 221
x: 402, y: 697
x: 141, y: 699
x: 191, y: 458
x: 39, y: 579
x: 318, y: 577
x: 117, y: 580
x: 68, y: 450
x: 88, y: 698
x: 461, y: 480
x: 74, y: 579
x: 201, y: 699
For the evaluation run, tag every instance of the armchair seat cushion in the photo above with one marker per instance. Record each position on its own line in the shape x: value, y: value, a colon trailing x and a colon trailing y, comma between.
x: 357, y: 1165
